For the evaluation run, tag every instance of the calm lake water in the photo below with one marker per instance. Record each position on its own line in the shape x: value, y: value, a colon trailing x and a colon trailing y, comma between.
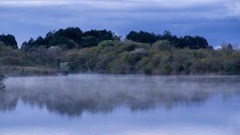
x: 120, y: 105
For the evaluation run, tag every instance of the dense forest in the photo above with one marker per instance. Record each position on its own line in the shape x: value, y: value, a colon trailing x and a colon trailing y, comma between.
x: 72, y: 50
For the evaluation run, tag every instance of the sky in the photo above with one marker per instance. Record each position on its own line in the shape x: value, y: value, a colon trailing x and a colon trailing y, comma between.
x: 216, y: 20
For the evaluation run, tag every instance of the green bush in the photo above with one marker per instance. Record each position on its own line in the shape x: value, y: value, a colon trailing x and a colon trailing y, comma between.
x: 164, y: 45
x: 107, y: 43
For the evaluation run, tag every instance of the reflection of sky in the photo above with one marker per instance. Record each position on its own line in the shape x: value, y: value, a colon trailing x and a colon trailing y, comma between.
x: 218, y: 114
x: 217, y: 20
x: 215, y: 117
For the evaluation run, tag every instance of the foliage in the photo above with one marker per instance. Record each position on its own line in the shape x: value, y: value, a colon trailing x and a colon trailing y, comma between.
x: 2, y: 86
x: 142, y: 37
x: 69, y: 38
x: 124, y: 57
x: 64, y: 67
x: 9, y: 40
x: 163, y: 45
x: 192, y: 42
x: 101, y: 51
x: 196, y: 42
x: 94, y: 37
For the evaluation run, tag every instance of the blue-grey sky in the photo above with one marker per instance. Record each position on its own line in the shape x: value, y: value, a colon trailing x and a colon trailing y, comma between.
x: 216, y: 20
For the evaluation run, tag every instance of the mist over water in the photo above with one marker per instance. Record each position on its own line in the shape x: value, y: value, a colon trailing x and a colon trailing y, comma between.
x: 130, y: 102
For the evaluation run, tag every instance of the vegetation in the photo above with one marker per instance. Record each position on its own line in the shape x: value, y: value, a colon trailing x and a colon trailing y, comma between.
x: 100, y: 51
x: 9, y: 40
x: 69, y: 38
x: 181, y: 42
x: 2, y: 86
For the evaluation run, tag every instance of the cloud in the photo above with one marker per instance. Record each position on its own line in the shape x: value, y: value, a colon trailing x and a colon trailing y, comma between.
x: 233, y: 8
x: 31, y: 2
x: 120, y: 4
x: 212, y: 9
x: 198, y: 17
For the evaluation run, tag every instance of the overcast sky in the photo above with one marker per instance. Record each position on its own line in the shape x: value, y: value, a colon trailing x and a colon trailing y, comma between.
x: 216, y: 20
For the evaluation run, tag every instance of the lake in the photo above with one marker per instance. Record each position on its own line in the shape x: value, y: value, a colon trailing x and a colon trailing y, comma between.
x: 93, y: 104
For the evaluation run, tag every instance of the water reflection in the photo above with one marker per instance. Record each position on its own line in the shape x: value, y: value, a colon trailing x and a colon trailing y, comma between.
x: 72, y: 95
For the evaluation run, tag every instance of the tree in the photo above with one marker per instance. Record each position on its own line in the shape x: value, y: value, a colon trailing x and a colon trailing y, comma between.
x: 167, y: 35
x: 9, y: 40
x: 88, y: 41
x: 24, y: 46
x: 27, y: 45
x: 64, y: 42
x: 227, y: 48
x: 63, y: 37
x: 72, y: 33
x: 49, y: 36
x: 200, y: 42
x: 39, y: 41
x: 196, y: 42
x: 142, y: 37
x: 94, y: 37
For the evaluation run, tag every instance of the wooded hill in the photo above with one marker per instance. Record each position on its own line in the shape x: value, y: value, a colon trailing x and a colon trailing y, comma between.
x: 100, y: 51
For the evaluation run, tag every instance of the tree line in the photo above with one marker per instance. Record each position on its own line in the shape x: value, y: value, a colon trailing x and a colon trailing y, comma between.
x: 72, y: 50
x: 70, y: 38
x: 74, y: 37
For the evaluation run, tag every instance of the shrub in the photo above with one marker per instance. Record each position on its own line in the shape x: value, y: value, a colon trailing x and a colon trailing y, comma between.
x: 164, y: 45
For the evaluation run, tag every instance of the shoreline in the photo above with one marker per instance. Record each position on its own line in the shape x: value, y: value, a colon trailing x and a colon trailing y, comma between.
x: 20, y: 71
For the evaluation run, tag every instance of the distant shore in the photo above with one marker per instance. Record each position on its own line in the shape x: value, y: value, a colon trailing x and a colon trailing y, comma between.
x: 71, y: 51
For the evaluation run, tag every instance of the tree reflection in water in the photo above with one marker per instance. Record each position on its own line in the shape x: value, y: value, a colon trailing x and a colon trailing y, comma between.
x: 72, y: 95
